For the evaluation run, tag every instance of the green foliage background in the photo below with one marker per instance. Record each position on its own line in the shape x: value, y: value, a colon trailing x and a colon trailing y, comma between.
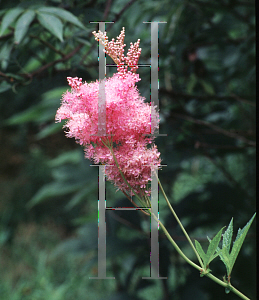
x: 49, y: 192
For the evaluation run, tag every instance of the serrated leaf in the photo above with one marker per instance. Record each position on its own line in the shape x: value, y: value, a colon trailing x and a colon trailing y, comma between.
x: 9, y: 18
x: 214, y: 256
x: 200, y: 251
x: 210, y: 255
x: 224, y: 255
x: 212, y: 247
x: 63, y: 14
x: 239, y: 242
x: 52, y: 24
x: 230, y: 258
x: 22, y: 25
x: 227, y: 236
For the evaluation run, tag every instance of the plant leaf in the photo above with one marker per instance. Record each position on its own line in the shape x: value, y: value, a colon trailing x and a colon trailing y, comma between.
x: 239, y: 242
x: 9, y: 18
x: 52, y: 24
x: 208, y: 87
x: 49, y: 130
x: 212, y: 247
x: 22, y: 25
x: 227, y: 236
x: 200, y: 251
x: 63, y: 14
x: 224, y: 255
x: 54, y: 189
x: 4, y: 86
x: 5, y: 54
x: 191, y: 83
x: 210, y: 255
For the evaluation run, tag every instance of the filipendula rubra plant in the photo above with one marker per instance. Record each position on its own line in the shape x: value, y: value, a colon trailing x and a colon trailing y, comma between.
x: 128, y: 150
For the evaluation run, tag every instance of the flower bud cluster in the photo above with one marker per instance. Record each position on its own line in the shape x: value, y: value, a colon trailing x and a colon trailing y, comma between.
x: 115, y: 49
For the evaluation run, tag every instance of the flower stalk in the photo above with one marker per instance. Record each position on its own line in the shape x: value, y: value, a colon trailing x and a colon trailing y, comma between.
x: 178, y: 221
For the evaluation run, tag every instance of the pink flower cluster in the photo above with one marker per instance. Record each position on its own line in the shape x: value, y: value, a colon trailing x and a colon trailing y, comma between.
x: 128, y: 124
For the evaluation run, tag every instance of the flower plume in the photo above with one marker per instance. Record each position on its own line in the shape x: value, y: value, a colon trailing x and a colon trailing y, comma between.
x: 128, y: 120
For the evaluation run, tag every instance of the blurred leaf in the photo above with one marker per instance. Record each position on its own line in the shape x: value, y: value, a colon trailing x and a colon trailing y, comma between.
x: 125, y: 296
x: 86, y: 240
x: 4, y: 235
x: 73, y: 157
x: 63, y: 14
x: 80, y: 197
x: 52, y: 24
x: 31, y: 65
x: 14, y: 76
x: 191, y: 83
x: 37, y: 113
x: 4, y: 86
x: 42, y: 112
x: 208, y: 87
x: 5, y: 54
x: 9, y: 18
x: 53, y: 95
x: 51, y: 190
x: 49, y: 130
x: 22, y: 25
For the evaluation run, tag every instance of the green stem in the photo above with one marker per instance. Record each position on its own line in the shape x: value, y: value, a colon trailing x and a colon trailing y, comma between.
x: 179, y: 222
x: 222, y: 283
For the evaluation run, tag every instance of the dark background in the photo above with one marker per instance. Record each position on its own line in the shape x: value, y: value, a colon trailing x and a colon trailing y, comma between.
x: 49, y: 192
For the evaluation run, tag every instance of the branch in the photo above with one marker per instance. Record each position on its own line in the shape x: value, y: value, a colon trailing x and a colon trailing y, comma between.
x: 52, y: 63
x: 5, y: 75
x: 216, y: 128
x: 118, y: 15
x: 231, y: 97
x: 199, y: 144
x: 6, y: 36
x: 107, y: 9
x: 47, y: 44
